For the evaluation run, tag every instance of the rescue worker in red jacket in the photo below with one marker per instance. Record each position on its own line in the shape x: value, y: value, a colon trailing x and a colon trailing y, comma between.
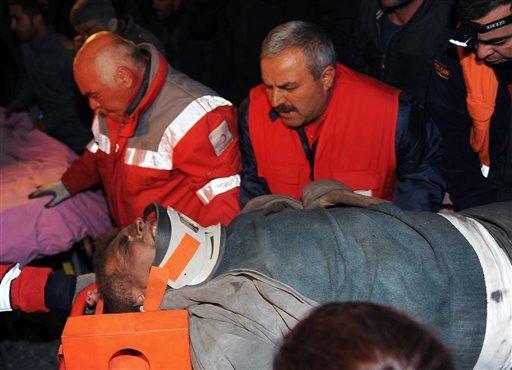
x: 312, y: 119
x: 158, y: 136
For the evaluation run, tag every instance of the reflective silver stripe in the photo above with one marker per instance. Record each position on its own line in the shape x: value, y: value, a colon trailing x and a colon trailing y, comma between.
x: 5, y: 287
x: 95, y: 127
x: 216, y: 187
x: 92, y: 146
x: 148, y: 159
x: 187, y: 119
x: 102, y: 141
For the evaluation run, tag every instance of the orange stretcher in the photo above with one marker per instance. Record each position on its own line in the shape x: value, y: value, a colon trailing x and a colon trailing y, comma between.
x: 139, y: 340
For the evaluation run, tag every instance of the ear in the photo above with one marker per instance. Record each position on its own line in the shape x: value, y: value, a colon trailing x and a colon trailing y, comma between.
x: 328, y: 77
x: 124, y: 77
x: 138, y: 294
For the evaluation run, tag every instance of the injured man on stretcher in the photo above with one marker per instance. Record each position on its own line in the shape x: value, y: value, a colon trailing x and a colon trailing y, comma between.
x: 247, y: 284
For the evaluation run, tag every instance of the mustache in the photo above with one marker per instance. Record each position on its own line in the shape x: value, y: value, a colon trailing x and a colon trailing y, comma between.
x: 285, y: 108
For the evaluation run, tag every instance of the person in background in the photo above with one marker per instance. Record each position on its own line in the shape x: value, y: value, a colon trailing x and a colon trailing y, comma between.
x: 48, y: 63
x: 470, y: 98
x: 395, y: 41
x: 91, y: 16
x: 185, y: 52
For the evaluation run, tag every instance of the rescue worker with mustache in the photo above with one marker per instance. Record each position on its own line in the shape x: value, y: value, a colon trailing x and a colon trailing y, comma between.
x: 312, y: 118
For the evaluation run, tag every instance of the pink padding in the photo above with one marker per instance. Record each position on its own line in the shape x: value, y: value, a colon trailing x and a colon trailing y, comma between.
x: 29, y: 158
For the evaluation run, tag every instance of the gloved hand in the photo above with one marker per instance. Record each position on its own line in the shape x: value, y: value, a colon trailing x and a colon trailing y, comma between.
x: 271, y: 203
x: 325, y: 193
x: 56, y: 189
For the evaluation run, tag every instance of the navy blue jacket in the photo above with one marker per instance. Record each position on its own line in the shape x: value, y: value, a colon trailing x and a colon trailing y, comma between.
x: 418, y: 158
x: 461, y: 166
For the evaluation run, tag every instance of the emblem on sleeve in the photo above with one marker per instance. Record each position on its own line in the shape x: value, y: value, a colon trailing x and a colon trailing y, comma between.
x: 221, y: 138
x: 441, y: 70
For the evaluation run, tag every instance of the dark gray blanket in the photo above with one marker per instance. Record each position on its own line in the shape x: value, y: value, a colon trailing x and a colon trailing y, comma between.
x: 416, y: 262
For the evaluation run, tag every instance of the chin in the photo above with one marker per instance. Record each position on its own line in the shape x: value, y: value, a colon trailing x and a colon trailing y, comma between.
x: 293, y: 123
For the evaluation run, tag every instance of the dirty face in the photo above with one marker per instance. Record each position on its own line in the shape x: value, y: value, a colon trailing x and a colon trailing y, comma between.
x: 134, y: 251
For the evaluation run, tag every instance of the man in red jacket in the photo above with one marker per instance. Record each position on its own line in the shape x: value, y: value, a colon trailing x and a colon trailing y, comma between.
x: 158, y: 136
x: 314, y: 119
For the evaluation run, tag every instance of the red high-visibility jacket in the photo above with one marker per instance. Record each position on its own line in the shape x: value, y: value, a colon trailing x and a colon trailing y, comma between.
x: 356, y: 144
x: 178, y: 148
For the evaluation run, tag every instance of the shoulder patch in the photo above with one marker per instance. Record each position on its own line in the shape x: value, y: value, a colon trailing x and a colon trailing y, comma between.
x: 220, y: 138
x: 441, y: 70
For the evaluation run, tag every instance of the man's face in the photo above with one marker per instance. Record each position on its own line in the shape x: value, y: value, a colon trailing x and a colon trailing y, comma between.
x: 495, y: 47
x: 89, y: 28
x: 292, y: 90
x: 134, y: 251
x: 164, y: 8
x: 21, y: 24
x: 104, y: 99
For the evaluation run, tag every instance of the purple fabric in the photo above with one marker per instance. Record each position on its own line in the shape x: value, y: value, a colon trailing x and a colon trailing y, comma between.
x: 29, y: 158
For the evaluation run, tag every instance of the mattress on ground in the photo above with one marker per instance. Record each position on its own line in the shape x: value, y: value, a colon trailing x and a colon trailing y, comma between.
x: 30, y: 158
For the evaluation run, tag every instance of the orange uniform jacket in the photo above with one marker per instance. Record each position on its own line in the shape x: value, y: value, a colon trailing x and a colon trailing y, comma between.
x: 178, y: 148
x: 356, y: 144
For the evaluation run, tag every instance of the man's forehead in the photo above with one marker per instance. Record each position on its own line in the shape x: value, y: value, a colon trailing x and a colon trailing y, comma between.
x: 285, y: 67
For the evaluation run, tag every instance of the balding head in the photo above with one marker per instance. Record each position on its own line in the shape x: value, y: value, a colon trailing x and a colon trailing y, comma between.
x: 109, y: 71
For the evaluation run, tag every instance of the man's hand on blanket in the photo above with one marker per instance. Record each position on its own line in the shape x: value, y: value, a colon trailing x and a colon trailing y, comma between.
x: 56, y: 189
x: 326, y: 193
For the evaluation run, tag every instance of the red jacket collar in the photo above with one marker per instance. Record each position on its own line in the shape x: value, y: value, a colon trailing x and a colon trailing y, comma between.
x: 157, y: 76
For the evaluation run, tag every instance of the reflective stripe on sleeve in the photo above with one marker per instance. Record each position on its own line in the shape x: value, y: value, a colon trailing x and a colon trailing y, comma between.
x: 216, y: 187
x: 148, y: 159
x: 5, y: 287
x: 92, y: 146
x: 102, y: 141
x: 187, y: 119
x: 177, y: 129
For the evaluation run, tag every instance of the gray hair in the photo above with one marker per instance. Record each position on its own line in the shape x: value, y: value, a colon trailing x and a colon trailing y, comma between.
x: 107, y: 60
x: 315, y: 44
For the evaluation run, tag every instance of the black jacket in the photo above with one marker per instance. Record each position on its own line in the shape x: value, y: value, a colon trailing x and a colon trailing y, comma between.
x: 406, y: 62
x: 461, y: 165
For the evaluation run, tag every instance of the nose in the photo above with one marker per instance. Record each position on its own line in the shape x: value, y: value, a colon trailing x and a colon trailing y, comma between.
x: 483, y: 51
x: 276, y: 97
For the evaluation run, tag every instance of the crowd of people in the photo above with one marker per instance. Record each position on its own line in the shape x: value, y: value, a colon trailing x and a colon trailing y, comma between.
x: 311, y: 142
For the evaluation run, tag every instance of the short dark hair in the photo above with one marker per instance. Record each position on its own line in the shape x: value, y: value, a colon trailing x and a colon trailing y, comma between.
x: 86, y: 10
x: 114, y: 287
x: 33, y: 8
x: 356, y: 335
x: 469, y: 10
